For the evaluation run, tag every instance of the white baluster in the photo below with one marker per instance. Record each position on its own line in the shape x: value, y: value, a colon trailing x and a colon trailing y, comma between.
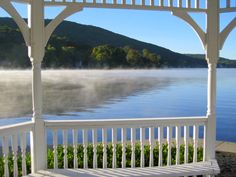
x: 143, y: 2
x: 5, y: 155
x: 177, y: 139
x: 197, y: 4
x: 160, y: 137
x: 55, y: 144
x: 23, y: 152
x: 204, y: 143
x: 142, y: 138
x: 133, y: 2
x: 123, y: 141
x: 186, y: 139
x: 151, y: 2
x: 228, y: 4
x: 133, y: 141
x: 180, y: 4
x: 94, y: 131
x: 65, y: 143
x: 85, y: 146
x: 75, y: 146
x: 188, y: 4
x: 170, y: 3
x: 195, y: 142
x: 161, y: 3
x: 169, y: 136
x: 14, y: 150
x: 151, y: 143
x: 114, y: 141
x: 104, y: 142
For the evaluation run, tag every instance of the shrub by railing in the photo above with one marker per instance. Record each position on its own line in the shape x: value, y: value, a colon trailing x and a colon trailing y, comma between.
x: 80, y: 155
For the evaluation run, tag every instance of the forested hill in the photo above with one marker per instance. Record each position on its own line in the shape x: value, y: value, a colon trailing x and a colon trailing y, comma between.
x: 82, y: 46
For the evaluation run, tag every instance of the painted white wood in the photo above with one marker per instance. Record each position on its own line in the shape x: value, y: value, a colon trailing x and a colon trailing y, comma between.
x: 36, y: 53
x: 75, y: 146
x: 133, y: 141
x: 169, y: 140
x: 177, y: 139
x: 94, y: 132
x: 204, y: 143
x: 180, y: 4
x: 142, y: 139
x: 108, y: 123
x: 55, y: 145
x: 50, y: 28
x: 225, y: 32
x: 161, y: 2
x: 195, y: 142
x: 23, y: 152
x: 197, y: 4
x: 14, y: 151
x: 151, y: 143
x: 16, y: 128
x: 197, y: 169
x: 85, y: 146
x: 170, y: 3
x: 189, y: 20
x: 36, y: 36
x: 5, y: 147
x: 227, y: 3
x: 186, y: 143
x: 123, y: 142
x: 10, y: 9
x: 65, y: 145
x: 160, y: 139
x: 104, y: 142
x: 114, y: 141
x: 162, y: 5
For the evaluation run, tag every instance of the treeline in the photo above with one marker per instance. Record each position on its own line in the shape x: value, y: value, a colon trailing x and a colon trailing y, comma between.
x: 60, y: 52
x: 90, y: 47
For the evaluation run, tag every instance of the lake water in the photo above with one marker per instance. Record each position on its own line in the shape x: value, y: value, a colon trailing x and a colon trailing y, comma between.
x: 93, y: 94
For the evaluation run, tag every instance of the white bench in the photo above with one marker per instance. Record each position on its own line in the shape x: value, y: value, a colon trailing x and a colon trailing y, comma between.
x: 193, y: 169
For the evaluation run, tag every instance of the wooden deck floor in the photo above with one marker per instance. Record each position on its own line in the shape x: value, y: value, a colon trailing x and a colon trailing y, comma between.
x: 203, y: 168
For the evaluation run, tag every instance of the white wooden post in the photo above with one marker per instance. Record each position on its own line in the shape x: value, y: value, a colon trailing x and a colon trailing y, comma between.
x: 36, y: 54
x: 212, y: 56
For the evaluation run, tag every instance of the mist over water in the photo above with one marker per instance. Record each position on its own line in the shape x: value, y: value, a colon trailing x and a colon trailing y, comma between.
x: 101, y: 94
x: 69, y: 90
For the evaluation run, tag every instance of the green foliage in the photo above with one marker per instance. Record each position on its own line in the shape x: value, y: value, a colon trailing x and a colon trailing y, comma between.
x: 80, y: 156
x: 91, y: 47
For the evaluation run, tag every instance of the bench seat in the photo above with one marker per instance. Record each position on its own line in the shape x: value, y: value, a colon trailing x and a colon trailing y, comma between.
x: 192, y: 169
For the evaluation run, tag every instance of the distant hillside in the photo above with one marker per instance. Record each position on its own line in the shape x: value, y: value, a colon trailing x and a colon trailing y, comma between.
x: 223, y: 62
x: 75, y: 45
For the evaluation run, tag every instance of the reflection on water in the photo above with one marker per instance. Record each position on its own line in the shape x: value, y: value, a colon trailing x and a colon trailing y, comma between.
x: 69, y: 91
x: 92, y: 94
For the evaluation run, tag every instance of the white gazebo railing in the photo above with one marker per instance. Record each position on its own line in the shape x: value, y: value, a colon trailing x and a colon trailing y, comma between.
x: 160, y: 133
x: 36, y: 35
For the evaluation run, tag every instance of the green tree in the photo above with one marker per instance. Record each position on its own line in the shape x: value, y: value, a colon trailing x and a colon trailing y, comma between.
x: 134, y: 57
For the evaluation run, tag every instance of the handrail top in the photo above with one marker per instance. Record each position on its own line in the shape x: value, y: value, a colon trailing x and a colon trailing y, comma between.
x: 15, y: 128
x: 28, y: 123
x: 125, y: 122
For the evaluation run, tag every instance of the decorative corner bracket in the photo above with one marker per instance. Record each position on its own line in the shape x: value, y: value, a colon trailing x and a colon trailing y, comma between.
x: 187, y: 18
x: 68, y: 11
x: 9, y: 8
x: 226, y: 31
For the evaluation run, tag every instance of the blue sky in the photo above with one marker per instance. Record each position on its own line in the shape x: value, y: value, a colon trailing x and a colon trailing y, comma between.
x: 159, y: 28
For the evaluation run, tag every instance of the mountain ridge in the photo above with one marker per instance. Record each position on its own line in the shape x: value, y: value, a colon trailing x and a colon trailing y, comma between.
x: 68, y: 34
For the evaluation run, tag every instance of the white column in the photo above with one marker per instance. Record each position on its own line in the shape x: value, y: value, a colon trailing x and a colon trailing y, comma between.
x: 212, y: 56
x: 36, y: 53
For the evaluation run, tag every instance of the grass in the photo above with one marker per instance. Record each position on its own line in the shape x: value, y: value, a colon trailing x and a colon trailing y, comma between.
x: 80, y: 155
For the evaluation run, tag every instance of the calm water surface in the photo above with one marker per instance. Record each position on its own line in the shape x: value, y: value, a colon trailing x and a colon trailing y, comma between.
x: 81, y: 94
